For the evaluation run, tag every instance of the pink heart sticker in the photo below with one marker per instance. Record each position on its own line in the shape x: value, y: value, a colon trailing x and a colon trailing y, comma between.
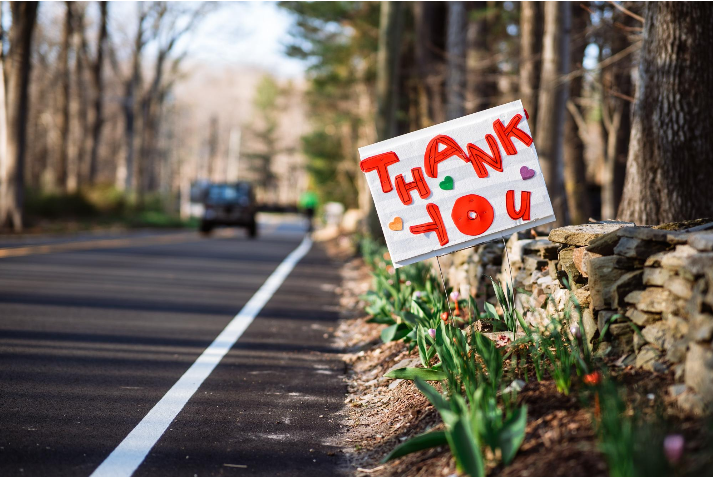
x: 526, y: 173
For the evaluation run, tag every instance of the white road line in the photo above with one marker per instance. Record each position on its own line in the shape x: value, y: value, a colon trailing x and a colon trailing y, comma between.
x: 132, y: 451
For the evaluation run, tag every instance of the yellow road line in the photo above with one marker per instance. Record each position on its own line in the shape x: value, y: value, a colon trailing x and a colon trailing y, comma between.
x: 108, y: 243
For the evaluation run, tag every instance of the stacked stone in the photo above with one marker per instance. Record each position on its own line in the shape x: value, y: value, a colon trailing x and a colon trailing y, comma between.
x: 647, y: 292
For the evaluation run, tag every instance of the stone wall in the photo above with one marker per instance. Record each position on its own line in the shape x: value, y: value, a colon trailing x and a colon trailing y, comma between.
x: 646, y: 293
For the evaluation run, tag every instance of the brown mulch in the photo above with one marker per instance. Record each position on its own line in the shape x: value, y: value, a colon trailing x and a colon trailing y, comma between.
x: 381, y: 413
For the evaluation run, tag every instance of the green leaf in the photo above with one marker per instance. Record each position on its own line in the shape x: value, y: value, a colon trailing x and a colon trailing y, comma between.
x: 465, y: 448
x: 426, y: 374
x: 422, y: 350
x: 410, y: 318
x: 438, y: 401
x: 383, y: 320
x: 512, y: 434
x: 394, y: 332
x: 490, y: 311
x: 418, y: 443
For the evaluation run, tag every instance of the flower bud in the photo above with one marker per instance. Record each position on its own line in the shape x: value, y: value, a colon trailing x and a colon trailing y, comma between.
x: 455, y: 295
x: 673, y: 448
x: 432, y: 332
x: 576, y: 332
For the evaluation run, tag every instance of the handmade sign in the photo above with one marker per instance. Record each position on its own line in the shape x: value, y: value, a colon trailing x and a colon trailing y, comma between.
x: 457, y: 184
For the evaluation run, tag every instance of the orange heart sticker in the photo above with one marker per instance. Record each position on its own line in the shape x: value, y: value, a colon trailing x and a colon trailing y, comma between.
x: 396, y: 224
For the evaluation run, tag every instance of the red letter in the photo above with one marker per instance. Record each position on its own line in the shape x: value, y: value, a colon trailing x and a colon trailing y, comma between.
x: 504, y: 134
x: 380, y: 163
x: 433, y: 156
x: 478, y: 157
x: 472, y: 214
x: 404, y: 188
x: 524, y: 212
x: 436, y: 226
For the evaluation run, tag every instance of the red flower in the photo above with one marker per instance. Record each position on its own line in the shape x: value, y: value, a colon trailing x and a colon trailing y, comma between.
x: 444, y: 316
x: 593, y: 378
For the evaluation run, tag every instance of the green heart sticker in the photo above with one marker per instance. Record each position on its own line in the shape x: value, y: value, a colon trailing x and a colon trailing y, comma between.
x: 447, y: 183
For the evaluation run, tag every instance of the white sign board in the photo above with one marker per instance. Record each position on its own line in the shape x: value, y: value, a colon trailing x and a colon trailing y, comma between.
x: 457, y: 184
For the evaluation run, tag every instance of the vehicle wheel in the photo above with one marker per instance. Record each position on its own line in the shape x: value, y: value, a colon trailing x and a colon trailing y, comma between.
x: 206, y: 227
x: 252, y: 229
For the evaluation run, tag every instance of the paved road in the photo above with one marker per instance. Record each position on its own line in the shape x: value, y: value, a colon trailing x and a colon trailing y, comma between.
x: 92, y: 337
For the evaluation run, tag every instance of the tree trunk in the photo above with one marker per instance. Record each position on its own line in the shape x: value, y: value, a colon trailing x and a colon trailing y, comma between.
x: 455, y: 48
x: 575, y: 170
x: 76, y: 166
x: 387, y: 68
x: 669, y: 168
x: 551, y: 103
x: 531, y: 26
x: 129, y: 105
x: 24, y: 15
x: 616, y: 117
x: 97, y: 77
x: 63, y: 103
x: 3, y: 124
x: 429, y: 27
x: 481, y: 86
x: 386, y: 86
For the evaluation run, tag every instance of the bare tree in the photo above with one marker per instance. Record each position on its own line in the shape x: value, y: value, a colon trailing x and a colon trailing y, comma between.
x: 63, y: 99
x: 531, y: 25
x: 17, y: 77
x: 387, y: 68
x: 97, y: 71
x: 574, y: 166
x: 551, y: 103
x: 480, y: 65
x: 429, y: 20
x: 455, y: 47
x: 669, y: 167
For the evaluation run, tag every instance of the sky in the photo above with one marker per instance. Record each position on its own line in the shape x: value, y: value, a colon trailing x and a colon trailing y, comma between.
x: 246, y: 33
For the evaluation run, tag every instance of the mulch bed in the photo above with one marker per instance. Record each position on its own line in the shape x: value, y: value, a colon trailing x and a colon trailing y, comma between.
x: 560, y: 440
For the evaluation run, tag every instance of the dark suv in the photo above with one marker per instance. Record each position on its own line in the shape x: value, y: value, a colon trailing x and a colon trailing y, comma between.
x: 229, y: 204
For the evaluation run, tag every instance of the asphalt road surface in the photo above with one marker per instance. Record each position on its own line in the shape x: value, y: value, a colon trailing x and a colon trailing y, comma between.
x: 95, y: 330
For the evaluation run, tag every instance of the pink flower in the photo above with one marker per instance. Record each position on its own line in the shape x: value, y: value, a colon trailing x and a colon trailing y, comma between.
x: 417, y: 294
x: 576, y: 332
x: 673, y: 448
x: 408, y: 283
x: 432, y: 332
x: 455, y: 295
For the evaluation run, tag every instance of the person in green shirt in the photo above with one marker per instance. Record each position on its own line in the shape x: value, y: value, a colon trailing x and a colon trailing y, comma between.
x: 308, y: 204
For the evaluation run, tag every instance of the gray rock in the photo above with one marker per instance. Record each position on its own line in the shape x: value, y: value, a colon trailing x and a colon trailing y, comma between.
x: 604, y: 244
x: 533, y: 263
x: 581, y: 235
x: 620, y: 329
x: 656, y: 334
x: 676, y: 352
x: 647, y: 357
x: 656, y: 300
x: 566, y: 263
x: 677, y: 326
x: 583, y: 296
x: 603, y: 317
x: 701, y: 328
x: 604, y: 272
x: 702, y: 241
x: 590, y: 326
x: 655, y: 276
x: 626, y: 284
x: 633, y: 297
x: 639, y: 342
x: 676, y: 390
x: 696, y: 265
x: 699, y: 370
x: 679, y: 286
x: 636, y: 248
x: 543, y: 248
x: 677, y: 258
x: 655, y: 259
x: 641, y: 318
